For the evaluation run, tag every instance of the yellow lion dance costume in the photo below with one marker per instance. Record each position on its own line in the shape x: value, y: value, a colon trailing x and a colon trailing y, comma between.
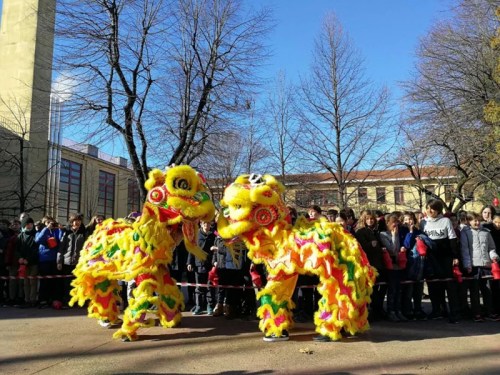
x: 141, y: 251
x: 255, y: 212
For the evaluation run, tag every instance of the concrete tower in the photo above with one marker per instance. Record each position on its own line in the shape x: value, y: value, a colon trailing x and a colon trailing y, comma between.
x: 26, y: 51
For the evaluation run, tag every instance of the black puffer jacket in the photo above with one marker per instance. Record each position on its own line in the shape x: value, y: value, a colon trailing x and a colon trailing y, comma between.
x: 71, y: 245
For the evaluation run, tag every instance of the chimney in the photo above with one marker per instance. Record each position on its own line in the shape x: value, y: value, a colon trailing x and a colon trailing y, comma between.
x: 122, y: 162
x: 92, y: 150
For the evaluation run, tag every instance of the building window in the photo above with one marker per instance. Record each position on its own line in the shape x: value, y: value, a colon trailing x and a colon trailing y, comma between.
x: 362, y: 195
x: 399, y: 195
x: 106, y: 201
x: 302, y: 198
x: 449, y: 192
x: 70, y: 184
x: 133, y: 197
x: 306, y: 198
x: 380, y: 191
x: 429, y: 191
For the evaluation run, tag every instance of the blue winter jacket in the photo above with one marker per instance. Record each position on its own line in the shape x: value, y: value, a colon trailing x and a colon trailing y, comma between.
x: 46, y: 254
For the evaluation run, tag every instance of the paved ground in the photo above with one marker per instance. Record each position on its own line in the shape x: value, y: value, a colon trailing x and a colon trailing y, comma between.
x: 66, y: 342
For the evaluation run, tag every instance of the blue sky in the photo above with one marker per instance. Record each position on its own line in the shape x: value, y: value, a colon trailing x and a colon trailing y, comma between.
x: 386, y: 32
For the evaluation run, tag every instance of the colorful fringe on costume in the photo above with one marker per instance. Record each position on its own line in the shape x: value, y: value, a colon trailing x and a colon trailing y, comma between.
x: 255, y: 212
x: 141, y: 251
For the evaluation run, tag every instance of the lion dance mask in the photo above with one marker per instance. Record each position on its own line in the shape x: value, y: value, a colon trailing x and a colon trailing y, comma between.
x: 254, y: 211
x: 141, y: 251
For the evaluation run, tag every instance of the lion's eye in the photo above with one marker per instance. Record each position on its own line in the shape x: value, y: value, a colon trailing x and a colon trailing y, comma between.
x: 181, y: 184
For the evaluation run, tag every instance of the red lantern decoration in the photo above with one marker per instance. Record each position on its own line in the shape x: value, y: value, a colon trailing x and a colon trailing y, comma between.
x: 496, y: 202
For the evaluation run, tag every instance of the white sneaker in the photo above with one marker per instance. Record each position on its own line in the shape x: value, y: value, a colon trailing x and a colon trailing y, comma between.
x: 273, y: 338
x: 104, y: 323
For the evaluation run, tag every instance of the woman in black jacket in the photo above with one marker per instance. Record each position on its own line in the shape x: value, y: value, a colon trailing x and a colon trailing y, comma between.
x: 367, y: 234
x: 69, y: 252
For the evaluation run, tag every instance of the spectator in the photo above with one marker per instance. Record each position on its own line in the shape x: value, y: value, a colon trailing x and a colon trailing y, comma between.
x: 48, y: 241
x: 230, y: 271
x: 395, y: 274
x: 368, y: 236
x: 27, y: 257
x: 380, y: 221
x: 293, y: 214
x: 94, y: 222
x: 203, y: 294
x: 314, y: 212
x: 342, y: 220
x: 68, y: 254
x: 412, y: 293
x: 478, y: 251
x: 351, y: 220
x: 488, y: 212
x: 22, y: 215
x: 445, y: 255
x: 178, y: 270
x: 331, y: 215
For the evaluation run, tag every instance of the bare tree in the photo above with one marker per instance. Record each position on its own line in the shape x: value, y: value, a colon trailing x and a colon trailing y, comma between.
x: 453, y: 82
x: 18, y: 140
x: 343, y: 115
x: 214, y: 54
x: 107, y: 48
x: 158, y: 72
x: 222, y: 161
x: 282, y: 127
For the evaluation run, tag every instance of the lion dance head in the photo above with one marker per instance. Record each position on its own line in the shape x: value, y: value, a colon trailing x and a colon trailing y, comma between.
x: 179, y: 195
x: 250, y: 203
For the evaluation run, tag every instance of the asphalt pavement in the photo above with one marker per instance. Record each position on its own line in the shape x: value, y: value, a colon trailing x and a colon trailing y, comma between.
x: 47, y: 341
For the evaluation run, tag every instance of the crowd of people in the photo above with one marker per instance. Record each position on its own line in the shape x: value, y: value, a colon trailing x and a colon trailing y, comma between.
x: 451, y: 254
x: 33, y: 255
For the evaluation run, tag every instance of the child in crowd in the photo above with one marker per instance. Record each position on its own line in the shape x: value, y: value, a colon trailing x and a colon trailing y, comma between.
x: 351, y: 220
x: 478, y: 251
x: 314, y: 212
x: 395, y: 274
x: 331, y: 215
x: 412, y: 293
x: 203, y: 294
x: 465, y: 286
x: 27, y: 257
x: 342, y: 220
x: 368, y: 236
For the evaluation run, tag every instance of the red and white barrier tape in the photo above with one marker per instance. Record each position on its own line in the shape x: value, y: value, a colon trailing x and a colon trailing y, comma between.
x: 237, y: 286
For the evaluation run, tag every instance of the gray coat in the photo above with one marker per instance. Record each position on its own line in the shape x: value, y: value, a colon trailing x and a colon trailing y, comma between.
x: 478, y: 247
